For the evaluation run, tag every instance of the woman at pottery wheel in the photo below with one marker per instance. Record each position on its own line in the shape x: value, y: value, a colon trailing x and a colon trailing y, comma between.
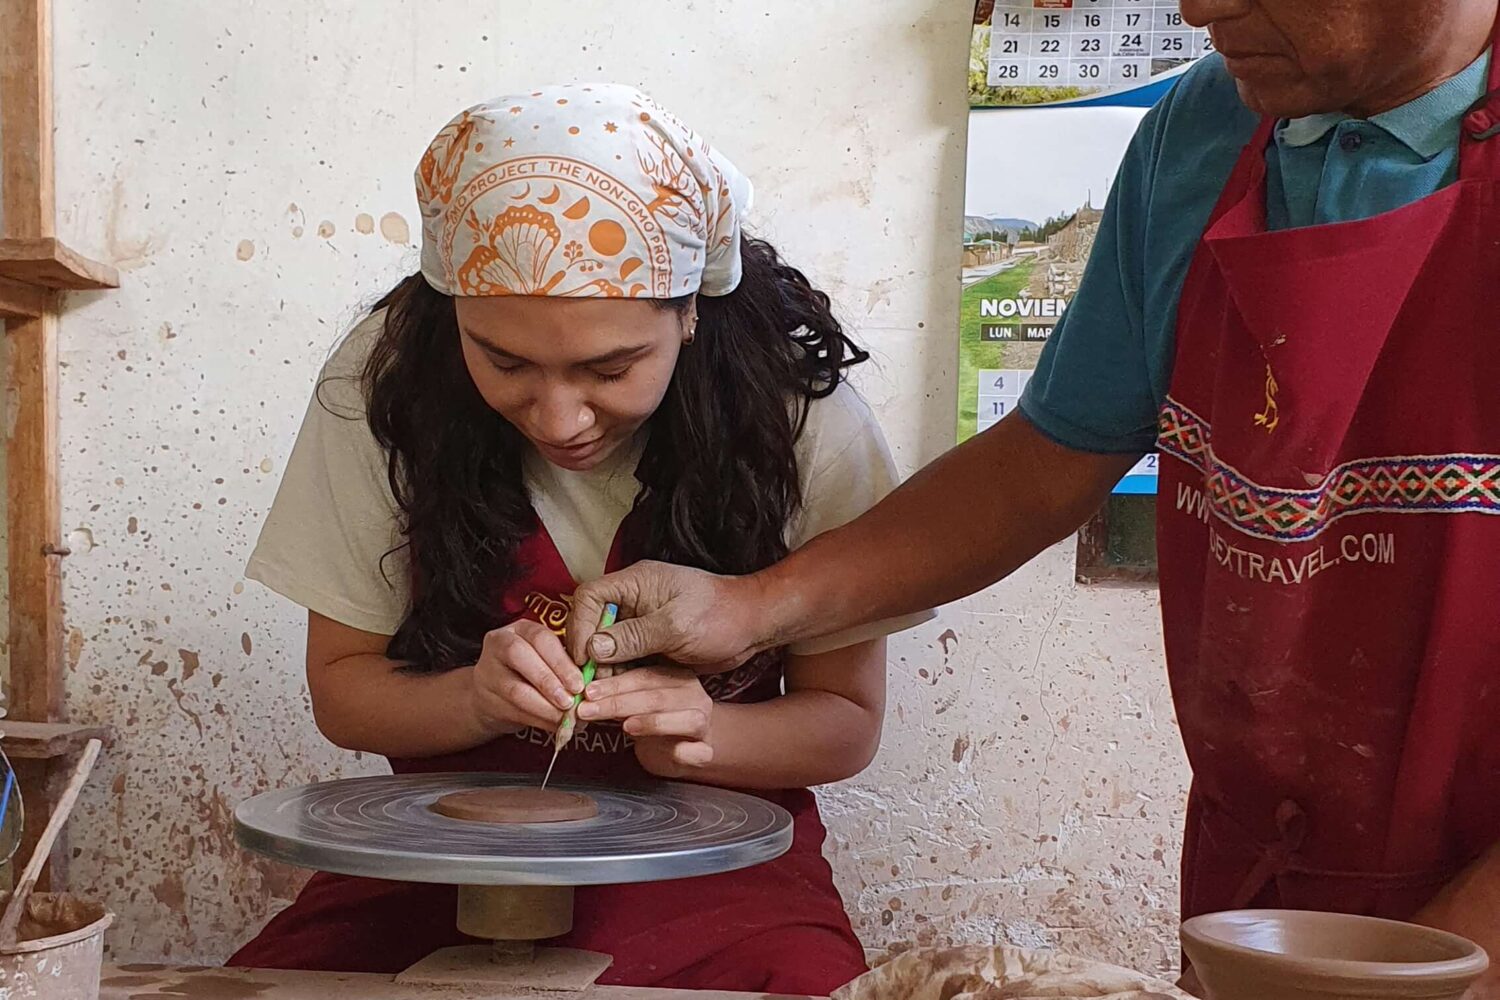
x: 594, y: 365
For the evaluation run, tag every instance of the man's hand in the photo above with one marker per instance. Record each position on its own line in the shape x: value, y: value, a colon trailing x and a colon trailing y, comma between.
x: 915, y: 549
x: 685, y: 615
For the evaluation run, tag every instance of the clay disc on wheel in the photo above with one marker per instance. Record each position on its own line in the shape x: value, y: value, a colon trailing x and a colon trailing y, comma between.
x: 516, y: 805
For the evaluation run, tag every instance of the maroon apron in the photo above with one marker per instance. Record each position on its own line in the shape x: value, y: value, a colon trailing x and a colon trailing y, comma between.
x: 778, y: 927
x: 1330, y: 554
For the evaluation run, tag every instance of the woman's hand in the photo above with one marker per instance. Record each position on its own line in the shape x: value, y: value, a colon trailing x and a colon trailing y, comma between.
x: 524, y: 677
x: 665, y: 710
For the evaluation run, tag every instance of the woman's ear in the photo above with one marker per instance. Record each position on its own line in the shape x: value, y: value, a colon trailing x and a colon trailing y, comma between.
x: 690, y: 322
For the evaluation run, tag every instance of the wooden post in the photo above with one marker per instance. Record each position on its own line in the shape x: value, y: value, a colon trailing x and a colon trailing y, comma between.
x: 26, y: 118
x: 33, y: 265
x: 33, y: 528
x: 21, y: 301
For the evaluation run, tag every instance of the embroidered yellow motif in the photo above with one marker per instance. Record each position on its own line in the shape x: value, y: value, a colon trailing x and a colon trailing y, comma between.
x: 1271, y: 415
x: 550, y: 611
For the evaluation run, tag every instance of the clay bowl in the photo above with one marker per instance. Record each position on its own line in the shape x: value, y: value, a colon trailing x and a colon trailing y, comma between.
x: 1299, y: 955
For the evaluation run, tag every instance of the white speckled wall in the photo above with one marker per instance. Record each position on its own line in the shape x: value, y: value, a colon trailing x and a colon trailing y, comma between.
x: 247, y: 167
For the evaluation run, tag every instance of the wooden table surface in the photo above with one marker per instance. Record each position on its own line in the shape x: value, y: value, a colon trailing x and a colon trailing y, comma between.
x: 143, y: 982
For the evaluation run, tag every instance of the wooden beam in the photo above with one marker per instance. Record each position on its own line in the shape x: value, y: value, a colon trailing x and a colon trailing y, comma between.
x: 47, y: 261
x: 29, y: 197
x: 18, y: 301
x: 34, y: 521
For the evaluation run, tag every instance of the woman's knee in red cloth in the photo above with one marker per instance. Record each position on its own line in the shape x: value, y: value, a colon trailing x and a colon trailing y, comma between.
x: 355, y: 925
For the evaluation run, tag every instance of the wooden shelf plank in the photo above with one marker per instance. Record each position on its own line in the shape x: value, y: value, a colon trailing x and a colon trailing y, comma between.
x: 18, y: 301
x: 48, y: 262
x: 46, y: 740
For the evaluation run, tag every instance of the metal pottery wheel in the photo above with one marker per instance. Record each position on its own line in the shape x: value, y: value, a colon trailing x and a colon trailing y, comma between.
x: 515, y: 880
x: 382, y: 827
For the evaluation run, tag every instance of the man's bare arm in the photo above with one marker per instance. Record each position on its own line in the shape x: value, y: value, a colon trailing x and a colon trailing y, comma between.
x: 968, y: 519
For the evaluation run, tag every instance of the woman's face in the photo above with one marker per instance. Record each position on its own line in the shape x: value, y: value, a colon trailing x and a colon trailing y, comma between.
x: 578, y: 377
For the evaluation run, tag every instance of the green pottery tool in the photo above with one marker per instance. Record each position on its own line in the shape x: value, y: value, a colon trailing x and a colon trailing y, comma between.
x: 570, y: 717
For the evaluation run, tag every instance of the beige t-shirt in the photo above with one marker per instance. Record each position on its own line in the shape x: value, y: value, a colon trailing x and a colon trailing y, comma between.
x: 325, y: 541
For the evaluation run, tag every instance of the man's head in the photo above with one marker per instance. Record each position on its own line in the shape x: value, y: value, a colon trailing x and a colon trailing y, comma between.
x: 1291, y: 58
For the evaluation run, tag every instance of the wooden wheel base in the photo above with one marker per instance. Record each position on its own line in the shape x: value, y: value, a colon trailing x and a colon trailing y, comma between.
x: 562, y: 970
x: 512, y: 918
x: 515, y: 912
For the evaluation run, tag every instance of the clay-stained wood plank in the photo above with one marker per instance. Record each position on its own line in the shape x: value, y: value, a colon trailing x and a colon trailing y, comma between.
x: 29, y: 197
x: 47, y: 740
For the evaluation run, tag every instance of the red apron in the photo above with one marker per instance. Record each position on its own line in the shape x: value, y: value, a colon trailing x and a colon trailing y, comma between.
x: 779, y: 927
x: 1330, y: 558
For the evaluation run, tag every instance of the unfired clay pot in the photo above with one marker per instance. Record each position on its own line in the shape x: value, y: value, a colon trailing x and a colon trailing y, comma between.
x: 1299, y: 955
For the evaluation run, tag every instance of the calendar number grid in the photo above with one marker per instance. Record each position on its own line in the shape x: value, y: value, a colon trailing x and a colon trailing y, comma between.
x: 1096, y: 44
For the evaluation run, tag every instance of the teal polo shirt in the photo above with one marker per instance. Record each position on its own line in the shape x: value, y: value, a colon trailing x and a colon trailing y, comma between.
x: 1105, y: 370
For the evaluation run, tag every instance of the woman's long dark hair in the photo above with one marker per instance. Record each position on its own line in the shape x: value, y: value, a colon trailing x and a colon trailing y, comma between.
x: 718, y: 476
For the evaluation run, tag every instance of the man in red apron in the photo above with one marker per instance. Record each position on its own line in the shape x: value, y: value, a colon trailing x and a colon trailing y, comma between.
x: 1296, y: 292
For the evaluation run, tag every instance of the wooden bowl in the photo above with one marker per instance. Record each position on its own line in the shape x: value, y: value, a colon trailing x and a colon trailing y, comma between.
x: 1303, y: 955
